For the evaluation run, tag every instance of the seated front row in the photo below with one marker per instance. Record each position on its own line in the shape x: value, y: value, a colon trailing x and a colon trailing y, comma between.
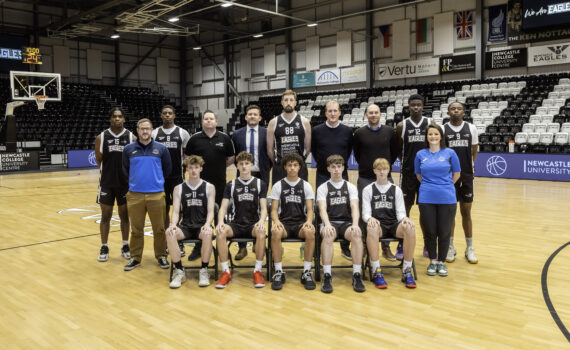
x: 292, y: 215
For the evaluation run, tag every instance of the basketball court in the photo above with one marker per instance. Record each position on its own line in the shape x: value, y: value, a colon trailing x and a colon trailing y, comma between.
x: 57, y: 295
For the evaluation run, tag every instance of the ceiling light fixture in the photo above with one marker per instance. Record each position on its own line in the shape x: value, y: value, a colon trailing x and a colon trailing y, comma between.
x: 173, y: 19
x: 227, y: 4
x: 197, y: 48
x: 258, y: 35
x: 115, y: 36
x: 312, y: 25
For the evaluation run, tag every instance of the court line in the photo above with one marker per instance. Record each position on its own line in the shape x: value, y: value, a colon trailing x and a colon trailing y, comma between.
x: 46, y: 242
x: 544, y: 280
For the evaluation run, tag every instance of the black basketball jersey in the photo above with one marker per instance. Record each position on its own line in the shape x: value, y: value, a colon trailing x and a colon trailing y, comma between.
x: 173, y: 142
x: 111, y: 148
x: 461, y: 143
x: 289, y: 137
x: 338, y: 203
x: 245, y: 199
x: 383, y: 205
x: 292, y: 202
x: 413, y: 137
x: 194, y: 205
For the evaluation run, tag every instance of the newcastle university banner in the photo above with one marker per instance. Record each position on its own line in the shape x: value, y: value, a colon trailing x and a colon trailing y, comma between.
x: 551, y: 167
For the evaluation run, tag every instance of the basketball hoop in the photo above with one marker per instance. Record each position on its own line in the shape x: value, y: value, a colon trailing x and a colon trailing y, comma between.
x: 40, y: 101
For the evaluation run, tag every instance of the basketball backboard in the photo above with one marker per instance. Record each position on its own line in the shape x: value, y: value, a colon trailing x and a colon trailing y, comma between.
x: 25, y: 85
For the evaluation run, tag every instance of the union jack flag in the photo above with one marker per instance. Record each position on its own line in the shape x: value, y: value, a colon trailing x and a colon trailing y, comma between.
x: 464, y: 25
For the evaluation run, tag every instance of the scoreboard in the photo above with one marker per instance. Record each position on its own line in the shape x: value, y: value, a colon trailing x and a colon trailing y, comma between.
x: 31, y: 55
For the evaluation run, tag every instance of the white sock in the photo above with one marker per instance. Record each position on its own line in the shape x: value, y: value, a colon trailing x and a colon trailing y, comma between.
x: 103, y: 244
x: 225, y: 267
x: 279, y: 266
x: 258, y: 265
x: 375, y: 265
x: 356, y: 268
x: 307, y: 265
x: 469, y: 242
x: 407, y: 264
x: 451, y: 241
x: 327, y: 269
x: 434, y: 261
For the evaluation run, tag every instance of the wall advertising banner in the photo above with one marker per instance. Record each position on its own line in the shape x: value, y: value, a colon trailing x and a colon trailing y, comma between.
x: 545, y: 13
x: 457, y: 64
x: 497, y: 23
x: 506, y: 59
x: 407, y: 69
x: 516, y: 33
x: 353, y: 74
x: 549, y: 167
x: 304, y: 79
x: 19, y: 161
x: 548, y: 54
x: 81, y: 159
x: 328, y: 77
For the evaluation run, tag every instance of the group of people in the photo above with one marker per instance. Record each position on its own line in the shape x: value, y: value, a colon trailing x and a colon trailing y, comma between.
x: 145, y: 174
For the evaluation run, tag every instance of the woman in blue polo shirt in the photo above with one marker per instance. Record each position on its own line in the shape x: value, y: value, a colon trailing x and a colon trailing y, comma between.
x: 437, y: 169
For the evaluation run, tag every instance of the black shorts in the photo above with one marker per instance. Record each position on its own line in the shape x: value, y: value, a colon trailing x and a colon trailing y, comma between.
x: 464, y: 189
x: 410, y: 188
x: 293, y: 229
x: 107, y: 195
x: 190, y: 232
x: 340, y: 228
x: 169, y: 185
x: 241, y: 231
x: 388, y: 231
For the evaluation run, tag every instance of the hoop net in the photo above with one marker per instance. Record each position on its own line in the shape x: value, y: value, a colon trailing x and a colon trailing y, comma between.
x: 40, y: 101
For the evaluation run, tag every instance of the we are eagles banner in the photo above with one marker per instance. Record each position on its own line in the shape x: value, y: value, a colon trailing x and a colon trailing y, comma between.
x: 497, y: 23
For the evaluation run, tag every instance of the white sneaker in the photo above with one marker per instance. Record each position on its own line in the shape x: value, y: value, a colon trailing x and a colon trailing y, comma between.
x: 451, y: 254
x: 470, y: 255
x: 203, y: 278
x: 178, y: 277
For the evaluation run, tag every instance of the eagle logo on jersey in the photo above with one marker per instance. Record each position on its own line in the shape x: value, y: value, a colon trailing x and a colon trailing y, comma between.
x: 376, y: 197
x: 188, y: 195
x: 238, y: 190
x: 110, y: 141
x: 280, y: 124
x: 286, y: 191
x: 297, y: 125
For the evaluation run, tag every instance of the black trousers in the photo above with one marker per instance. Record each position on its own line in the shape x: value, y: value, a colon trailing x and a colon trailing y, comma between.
x: 436, y: 220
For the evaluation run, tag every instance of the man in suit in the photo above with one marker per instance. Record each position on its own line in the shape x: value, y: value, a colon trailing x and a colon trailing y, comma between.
x: 252, y: 138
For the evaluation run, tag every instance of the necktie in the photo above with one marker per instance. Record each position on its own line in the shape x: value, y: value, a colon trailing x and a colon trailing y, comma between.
x: 252, y: 144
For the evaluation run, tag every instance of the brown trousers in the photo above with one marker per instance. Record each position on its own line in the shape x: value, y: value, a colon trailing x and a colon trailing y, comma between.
x: 138, y: 204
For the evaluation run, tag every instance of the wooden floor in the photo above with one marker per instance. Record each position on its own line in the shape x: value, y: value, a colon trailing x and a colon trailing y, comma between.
x: 55, y: 295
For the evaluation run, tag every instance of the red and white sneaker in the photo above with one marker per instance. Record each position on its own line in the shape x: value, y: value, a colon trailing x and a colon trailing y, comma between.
x: 224, y: 280
x: 258, y: 280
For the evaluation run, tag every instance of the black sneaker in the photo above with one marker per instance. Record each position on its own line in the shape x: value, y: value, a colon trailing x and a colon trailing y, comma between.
x: 103, y: 254
x: 345, y: 251
x: 357, y: 283
x: 278, y: 280
x: 163, y: 263
x: 182, y: 251
x: 326, y: 286
x: 307, y: 280
x: 132, y: 264
x: 126, y: 252
x: 195, y: 255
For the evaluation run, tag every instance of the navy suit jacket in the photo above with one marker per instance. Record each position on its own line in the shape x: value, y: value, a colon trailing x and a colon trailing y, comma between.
x: 239, y: 139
